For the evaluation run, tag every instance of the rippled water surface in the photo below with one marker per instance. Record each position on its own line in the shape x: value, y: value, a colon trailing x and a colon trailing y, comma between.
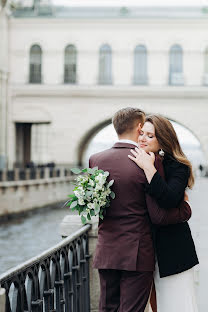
x: 25, y: 237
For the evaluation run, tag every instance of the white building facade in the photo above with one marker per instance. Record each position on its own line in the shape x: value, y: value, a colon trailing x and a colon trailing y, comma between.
x: 70, y: 69
x: 4, y: 64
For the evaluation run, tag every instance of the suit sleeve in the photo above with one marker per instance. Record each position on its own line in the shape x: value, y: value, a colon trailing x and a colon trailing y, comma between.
x: 161, y: 216
x: 90, y: 163
x: 169, y: 193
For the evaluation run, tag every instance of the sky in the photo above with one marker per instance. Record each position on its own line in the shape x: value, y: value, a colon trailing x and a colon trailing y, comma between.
x: 131, y: 2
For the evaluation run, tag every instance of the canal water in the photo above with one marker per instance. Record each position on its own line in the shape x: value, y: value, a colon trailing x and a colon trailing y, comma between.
x: 25, y: 237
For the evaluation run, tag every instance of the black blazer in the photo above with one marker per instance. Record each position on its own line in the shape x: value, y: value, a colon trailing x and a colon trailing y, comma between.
x: 174, y: 244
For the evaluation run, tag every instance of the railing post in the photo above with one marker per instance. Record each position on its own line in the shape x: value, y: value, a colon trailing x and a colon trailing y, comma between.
x: 62, y: 170
x: 16, y: 174
x: 65, y: 230
x: 2, y: 300
x: 47, y: 173
x: 37, y: 173
x: 4, y: 175
x: 27, y: 174
x: 94, y: 277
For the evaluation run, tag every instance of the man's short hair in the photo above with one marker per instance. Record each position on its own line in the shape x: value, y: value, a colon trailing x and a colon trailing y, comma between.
x: 125, y: 119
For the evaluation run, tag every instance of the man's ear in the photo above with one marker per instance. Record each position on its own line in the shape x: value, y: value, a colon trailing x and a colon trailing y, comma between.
x: 139, y: 127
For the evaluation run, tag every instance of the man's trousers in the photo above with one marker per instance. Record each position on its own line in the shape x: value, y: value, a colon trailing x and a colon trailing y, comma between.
x: 124, y: 291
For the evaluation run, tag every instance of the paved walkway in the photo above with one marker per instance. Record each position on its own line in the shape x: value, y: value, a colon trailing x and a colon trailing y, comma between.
x: 199, y: 226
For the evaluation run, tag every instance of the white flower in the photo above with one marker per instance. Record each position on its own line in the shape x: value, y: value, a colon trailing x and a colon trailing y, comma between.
x: 79, y: 192
x: 81, y: 179
x: 100, y: 179
x: 102, y: 203
x: 91, y: 182
x: 91, y: 205
x: 81, y: 201
x: 98, y: 187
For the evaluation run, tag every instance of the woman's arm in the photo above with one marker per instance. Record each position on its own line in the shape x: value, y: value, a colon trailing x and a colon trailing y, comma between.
x: 161, y: 216
x: 168, y: 193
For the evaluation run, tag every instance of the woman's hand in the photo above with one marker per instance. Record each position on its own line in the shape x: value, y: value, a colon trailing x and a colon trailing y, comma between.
x: 142, y: 159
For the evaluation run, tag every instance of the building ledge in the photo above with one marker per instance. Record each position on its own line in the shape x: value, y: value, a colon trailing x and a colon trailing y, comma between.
x: 109, y: 91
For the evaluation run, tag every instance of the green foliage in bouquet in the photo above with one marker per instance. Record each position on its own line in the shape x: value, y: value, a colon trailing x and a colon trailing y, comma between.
x: 92, y: 193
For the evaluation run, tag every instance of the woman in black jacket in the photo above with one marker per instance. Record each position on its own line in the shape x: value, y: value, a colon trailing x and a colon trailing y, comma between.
x: 175, y: 250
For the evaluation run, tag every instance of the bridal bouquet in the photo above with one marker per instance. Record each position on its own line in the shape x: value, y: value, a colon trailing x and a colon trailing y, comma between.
x: 92, y: 193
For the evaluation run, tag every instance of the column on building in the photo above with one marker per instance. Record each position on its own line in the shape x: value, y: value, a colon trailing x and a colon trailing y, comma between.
x: 3, y: 86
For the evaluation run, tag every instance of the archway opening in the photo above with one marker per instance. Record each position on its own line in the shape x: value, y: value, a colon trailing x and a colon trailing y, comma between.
x: 106, y: 136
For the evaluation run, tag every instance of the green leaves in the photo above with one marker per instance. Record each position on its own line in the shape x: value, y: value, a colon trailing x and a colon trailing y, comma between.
x: 76, y: 170
x: 83, y: 219
x: 93, y: 170
x: 110, y: 183
x: 92, y: 213
x: 101, y: 216
x: 97, y: 209
x: 73, y: 204
x: 112, y: 195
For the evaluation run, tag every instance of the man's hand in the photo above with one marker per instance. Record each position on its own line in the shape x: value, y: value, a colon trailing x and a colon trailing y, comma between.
x: 142, y: 159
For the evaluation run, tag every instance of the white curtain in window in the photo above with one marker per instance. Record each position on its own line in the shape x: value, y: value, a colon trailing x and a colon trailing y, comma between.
x: 105, y: 64
x: 35, y: 64
x: 176, y: 65
x: 140, y: 65
x: 70, y: 64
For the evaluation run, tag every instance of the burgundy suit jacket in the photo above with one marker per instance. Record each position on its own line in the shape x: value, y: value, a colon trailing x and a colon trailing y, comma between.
x: 125, y: 235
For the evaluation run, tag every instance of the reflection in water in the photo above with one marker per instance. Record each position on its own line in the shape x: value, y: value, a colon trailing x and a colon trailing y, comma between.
x: 191, y: 146
x: 26, y: 237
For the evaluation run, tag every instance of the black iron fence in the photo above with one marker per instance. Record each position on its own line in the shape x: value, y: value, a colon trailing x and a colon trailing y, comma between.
x: 32, y: 174
x: 56, y: 280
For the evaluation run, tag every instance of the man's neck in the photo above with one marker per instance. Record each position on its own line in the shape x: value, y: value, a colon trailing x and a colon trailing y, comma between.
x: 129, y: 138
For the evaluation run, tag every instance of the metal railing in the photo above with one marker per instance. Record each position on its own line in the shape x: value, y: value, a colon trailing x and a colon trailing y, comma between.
x: 33, y: 174
x: 56, y: 280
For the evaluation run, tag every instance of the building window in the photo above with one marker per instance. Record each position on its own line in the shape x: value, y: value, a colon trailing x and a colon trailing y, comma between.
x: 140, y: 65
x: 176, y: 66
x: 35, y: 64
x: 205, y: 67
x: 70, y: 64
x: 105, y: 65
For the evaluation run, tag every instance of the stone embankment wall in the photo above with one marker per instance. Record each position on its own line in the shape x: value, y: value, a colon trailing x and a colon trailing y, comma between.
x: 22, y: 196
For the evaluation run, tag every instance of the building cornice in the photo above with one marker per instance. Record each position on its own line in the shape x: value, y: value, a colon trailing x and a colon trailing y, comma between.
x: 123, y: 12
x: 61, y: 91
x: 55, y: 22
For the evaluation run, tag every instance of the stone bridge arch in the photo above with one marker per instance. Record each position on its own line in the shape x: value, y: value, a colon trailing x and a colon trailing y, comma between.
x: 93, y: 131
x: 89, y: 135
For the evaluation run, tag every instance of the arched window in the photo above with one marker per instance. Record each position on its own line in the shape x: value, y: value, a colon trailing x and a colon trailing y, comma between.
x: 105, y: 65
x: 176, y: 65
x: 35, y: 64
x: 70, y: 64
x: 140, y: 65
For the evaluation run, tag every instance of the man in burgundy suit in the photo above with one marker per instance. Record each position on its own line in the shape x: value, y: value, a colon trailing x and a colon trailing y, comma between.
x: 124, y: 253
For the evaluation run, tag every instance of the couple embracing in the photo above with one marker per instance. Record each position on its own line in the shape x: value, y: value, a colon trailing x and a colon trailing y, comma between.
x: 145, y: 248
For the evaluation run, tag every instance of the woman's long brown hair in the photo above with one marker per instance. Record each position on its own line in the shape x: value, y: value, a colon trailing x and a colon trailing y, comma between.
x: 168, y: 141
